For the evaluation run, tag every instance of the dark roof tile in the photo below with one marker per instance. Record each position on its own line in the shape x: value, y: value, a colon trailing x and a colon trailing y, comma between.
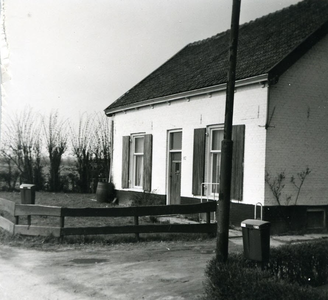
x: 262, y: 44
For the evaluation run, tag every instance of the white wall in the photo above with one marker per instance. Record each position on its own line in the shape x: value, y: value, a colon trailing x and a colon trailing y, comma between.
x: 200, y: 111
x: 297, y: 136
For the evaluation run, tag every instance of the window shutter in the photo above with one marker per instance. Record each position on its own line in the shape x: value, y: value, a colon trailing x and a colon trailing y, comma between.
x: 148, y: 149
x: 198, y: 160
x: 125, y: 161
x: 237, y: 174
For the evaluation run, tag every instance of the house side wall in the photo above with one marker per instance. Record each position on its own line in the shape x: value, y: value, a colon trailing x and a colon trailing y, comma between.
x: 188, y: 114
x: 297, y: 135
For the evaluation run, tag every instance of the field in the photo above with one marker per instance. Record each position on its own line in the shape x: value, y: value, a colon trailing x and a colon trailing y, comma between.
x: 67, y: 200
x: 57, y: 199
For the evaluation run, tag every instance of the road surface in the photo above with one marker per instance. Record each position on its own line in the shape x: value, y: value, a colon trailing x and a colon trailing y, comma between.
x: 152, y: 270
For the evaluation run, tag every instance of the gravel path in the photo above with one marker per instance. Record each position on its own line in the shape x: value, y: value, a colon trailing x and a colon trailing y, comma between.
x: 153, y: 270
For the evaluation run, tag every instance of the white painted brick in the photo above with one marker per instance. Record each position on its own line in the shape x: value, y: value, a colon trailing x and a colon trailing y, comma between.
x: 200, y: 111
x: 298, y: 133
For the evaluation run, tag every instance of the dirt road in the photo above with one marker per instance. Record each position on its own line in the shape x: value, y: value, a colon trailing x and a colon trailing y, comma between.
x: 154, y: 270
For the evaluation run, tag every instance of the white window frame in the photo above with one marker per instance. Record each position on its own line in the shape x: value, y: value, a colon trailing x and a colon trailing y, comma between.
x: 209, y: 185
x: 133, y: 161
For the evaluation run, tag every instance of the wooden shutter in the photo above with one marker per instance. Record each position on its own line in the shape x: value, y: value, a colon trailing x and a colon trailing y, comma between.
x: 125, y: 161
x: 198, y: 160
x: 237, y: 174
x: 148, y: 149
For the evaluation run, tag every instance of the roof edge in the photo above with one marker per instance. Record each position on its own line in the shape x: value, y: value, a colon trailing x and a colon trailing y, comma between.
x: 187, y: 94
x: 297, y: 52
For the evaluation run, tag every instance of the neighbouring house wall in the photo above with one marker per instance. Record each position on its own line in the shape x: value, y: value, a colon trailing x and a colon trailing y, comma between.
x: 297, y: 137
x: 197, y: 112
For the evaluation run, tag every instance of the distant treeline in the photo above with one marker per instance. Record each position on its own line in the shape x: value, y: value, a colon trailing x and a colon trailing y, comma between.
x: 50, y: 153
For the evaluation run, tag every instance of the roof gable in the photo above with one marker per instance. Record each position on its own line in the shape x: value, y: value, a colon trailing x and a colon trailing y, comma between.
x: 264, y: 45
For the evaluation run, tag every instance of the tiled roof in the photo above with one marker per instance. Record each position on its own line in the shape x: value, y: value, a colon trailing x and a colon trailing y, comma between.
x: 263, y: 43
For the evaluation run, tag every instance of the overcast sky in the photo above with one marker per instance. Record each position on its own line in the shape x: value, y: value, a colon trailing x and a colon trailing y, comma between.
x: 78, y: 56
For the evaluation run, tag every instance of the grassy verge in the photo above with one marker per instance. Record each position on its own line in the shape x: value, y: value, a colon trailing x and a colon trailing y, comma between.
x: 39, y: 242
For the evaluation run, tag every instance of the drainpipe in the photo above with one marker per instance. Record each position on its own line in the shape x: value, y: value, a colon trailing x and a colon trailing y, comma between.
x: 111, y: 148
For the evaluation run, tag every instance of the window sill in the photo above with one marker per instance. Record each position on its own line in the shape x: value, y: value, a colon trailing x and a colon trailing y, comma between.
x: 135, y: 189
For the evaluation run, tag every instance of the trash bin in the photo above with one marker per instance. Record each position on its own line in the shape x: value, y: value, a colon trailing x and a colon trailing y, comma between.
x: 27, y: 193
x: 256, y: 239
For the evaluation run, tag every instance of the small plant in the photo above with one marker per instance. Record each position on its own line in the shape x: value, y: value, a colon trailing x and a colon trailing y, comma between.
x: 301, y: 177
x: 153, y: 219
x: 145, y: 199
x: 277, y: 184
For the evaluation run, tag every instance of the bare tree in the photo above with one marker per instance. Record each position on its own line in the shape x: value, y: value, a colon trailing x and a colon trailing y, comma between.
x: 101, y: 148
x: 91, y: 145
x: 82, y: 141
x: 301, y: 177
x: 56, y: 136
x: 22, y: 143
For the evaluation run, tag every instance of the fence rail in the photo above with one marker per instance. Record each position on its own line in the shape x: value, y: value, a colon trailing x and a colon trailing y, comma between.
x: 17, y: 210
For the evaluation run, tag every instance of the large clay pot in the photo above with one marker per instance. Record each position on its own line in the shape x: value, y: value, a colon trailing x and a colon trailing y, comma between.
x: 105, y: 192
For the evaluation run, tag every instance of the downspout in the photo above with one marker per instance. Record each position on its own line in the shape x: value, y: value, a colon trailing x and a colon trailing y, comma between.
x: 268, y: 107
x: 266, y: 126
x: 272, y: 80
x: 111, y: 149
x: 269, y: 115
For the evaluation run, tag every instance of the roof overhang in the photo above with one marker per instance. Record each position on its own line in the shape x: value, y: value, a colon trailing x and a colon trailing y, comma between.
x: 188, y: 94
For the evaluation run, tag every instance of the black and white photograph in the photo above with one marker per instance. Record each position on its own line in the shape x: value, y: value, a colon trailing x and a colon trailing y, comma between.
x: 163, y: 149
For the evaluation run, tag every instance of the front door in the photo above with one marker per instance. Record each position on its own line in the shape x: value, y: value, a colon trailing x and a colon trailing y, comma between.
x: 174, y: 172
x: 175, y: 178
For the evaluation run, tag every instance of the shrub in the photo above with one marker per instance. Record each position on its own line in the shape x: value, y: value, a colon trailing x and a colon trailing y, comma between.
x: 290, y: 273
x: 145, y: 199
x: 304, y: 263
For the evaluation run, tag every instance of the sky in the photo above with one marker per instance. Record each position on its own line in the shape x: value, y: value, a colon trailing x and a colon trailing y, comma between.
x: 77, y: 56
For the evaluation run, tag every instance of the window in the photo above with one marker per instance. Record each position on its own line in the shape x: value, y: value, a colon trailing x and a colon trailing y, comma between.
x: 316, y: 218
x: 176, y: 140
x: 207, y: 159
x: 216, y: 137
x: 137, y: 161
x: 137, y: 157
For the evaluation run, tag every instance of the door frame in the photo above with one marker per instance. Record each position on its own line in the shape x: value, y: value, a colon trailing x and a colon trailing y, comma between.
x: 168, y: 163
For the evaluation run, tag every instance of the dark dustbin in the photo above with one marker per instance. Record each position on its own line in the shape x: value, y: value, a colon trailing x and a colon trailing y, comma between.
x: 27, y: 193
x: 256, y: 239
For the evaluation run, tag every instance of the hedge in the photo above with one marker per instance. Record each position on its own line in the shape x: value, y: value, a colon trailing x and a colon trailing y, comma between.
x: 291, y: 274
x: 304, y: 263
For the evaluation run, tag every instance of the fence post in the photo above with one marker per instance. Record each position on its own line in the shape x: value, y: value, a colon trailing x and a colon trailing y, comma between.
x: 208, y: 221
x: 61, y: 225
x: 61, y: 221
x: 208, y: 217
x: 136, y: 223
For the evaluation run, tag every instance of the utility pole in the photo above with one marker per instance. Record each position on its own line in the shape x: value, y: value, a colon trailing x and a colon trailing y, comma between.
x: 223, y: 209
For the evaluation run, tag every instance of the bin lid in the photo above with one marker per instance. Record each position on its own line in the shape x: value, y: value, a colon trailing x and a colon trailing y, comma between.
x: 26, y: 186
x: 256, y: 224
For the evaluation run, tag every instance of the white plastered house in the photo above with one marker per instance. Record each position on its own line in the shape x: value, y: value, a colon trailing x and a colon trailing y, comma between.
x: 167, y: 129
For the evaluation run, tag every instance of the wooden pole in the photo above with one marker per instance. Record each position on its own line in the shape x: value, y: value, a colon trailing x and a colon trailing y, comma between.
x: 223, y: 209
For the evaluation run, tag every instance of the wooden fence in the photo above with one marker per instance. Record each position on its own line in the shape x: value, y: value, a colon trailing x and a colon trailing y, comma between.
x: 29, y: 210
